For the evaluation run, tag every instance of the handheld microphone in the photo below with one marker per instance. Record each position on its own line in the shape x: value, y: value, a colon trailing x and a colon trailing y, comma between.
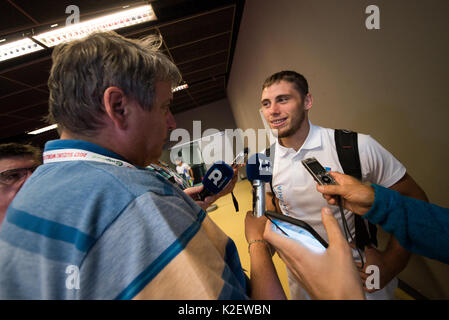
x: 216, y: 179
x: 259, y: 171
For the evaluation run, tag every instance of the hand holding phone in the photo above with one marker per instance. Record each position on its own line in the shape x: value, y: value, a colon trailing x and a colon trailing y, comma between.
x: 321, y: 176
x: 328, y: 275
x: 297, y: 230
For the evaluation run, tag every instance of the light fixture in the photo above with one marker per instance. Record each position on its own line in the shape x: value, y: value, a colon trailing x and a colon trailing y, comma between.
x: 181, y: 87
x: 121, y: 19
x: 109, y: 22
x: 53, y: 126
x: 18, y: 48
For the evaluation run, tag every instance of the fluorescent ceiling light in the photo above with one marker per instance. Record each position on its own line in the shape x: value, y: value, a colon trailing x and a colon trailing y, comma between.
x: 110, y: 22
x: 18, y: 48
x: 54, y: 37
x: 181, y: 87
x: 53, y: 126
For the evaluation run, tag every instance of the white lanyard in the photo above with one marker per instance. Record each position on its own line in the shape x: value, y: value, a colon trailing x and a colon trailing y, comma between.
x: 81, y: 155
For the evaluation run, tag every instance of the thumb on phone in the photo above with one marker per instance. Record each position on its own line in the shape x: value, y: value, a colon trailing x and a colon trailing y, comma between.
x: 283, y: 244
x: 332, y: 227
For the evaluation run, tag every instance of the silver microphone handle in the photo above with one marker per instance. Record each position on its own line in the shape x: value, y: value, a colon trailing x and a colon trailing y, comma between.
x: 259, y: 194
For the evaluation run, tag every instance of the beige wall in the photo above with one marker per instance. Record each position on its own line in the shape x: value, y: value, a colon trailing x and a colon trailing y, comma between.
x: 215, y: 115
x: 390, y: 83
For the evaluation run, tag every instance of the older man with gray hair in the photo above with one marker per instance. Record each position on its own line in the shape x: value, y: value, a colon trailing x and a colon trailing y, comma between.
x: 93, y: 223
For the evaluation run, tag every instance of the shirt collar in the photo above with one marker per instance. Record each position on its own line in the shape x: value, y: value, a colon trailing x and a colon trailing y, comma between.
x: 312, y: 141
x: 80, y: 144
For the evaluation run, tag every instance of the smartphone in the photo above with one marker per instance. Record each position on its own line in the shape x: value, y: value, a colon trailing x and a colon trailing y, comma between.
x: 241, y: 158
x: 297, y: 230
x: 317, y: 171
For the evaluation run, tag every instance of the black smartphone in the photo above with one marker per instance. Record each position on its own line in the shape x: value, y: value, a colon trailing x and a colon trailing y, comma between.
x: 297, y: 230
x: 317, y: 171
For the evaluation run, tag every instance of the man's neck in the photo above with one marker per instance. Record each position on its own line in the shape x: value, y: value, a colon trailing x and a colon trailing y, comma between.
x: 120, y: 147
x: 296, y: 140
x: 98, y: 140
x: 66, y: 135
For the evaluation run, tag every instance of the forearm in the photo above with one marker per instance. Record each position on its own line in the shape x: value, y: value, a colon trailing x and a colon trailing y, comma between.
x: 420, y: 227
x: 265, y: 283
x: 409, y: 188
x: 396, y: 256
x: 395, y: 253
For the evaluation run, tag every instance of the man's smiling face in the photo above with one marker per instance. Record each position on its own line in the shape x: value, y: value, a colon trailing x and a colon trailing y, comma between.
x: 283, y: 108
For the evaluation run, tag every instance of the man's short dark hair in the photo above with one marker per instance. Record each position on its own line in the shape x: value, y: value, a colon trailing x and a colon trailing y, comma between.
x: 11, y: 150
x: 297, y: 79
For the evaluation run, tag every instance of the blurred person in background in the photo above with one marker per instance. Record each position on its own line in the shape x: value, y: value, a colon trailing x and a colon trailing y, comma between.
x: 17, y: 163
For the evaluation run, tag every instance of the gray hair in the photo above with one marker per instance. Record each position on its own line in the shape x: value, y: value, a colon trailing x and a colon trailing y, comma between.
x: 83, y: 69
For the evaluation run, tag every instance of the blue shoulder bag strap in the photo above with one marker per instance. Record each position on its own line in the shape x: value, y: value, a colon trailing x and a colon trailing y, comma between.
x: 348, y: 155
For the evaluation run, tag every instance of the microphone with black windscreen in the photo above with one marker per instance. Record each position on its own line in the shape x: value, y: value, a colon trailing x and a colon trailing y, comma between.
x: 259, y: 171
x: 216, y: 179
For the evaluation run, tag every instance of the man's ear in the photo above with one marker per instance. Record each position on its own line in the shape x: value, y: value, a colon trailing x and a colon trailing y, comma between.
x: 308, y: 101
x: 115, y: 105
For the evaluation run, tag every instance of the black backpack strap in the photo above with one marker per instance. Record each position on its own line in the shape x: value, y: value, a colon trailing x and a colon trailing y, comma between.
x: 348, y: 154
x: 270, y: 152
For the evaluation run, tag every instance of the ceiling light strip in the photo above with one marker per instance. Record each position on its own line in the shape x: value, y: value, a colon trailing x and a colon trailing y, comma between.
x: 53, y: 126
x: 18, y: 48
x: 54, y: 37
x: 181, y: 87
x: 110, y: 22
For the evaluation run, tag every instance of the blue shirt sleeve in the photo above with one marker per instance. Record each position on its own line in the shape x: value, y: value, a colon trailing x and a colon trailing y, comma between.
x: 420, y: 227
